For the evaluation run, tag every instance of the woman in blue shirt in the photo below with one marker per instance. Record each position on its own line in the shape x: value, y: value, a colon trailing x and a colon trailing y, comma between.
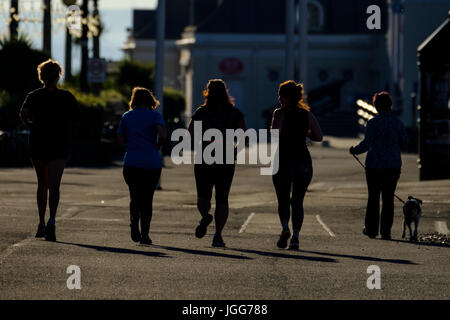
x: 385, y: 134
x: 142, y: 130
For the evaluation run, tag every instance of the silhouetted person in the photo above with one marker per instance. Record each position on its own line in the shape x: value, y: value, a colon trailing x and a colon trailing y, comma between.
x: 49, y: 112
x: 142, y: 129
x: 217, y: 112
x: 295, y: 122
x: 384, y: 136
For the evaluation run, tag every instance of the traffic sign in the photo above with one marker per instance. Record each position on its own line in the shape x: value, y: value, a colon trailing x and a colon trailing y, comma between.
x: 96, y: 70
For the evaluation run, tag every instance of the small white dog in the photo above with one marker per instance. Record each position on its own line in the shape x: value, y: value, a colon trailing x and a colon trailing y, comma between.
x: 412, y: 213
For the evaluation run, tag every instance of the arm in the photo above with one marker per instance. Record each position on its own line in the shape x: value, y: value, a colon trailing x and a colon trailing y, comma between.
x: 403, y: 136
x: 25, y: 115
x: 25, y: 111
x: 364, y: 145
x: 314, y: 132
x: 162, y: 135
x: 191, y: 128
x: 277, y: 119
x: 242, y: 125
x: 121, y: 139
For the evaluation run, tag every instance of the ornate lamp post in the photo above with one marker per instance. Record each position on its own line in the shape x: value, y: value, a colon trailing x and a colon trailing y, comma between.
x: 47, y: 27
x: 14, y: 25
x: 68, y: 52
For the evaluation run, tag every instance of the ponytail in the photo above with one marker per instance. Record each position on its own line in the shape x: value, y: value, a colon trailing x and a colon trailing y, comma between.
x: 294, y: 92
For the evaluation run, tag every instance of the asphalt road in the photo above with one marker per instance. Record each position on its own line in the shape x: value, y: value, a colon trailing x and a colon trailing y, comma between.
x: 93, y: 234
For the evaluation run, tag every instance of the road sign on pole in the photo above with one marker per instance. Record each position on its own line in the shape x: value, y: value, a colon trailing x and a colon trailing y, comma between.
x: 96, y: 70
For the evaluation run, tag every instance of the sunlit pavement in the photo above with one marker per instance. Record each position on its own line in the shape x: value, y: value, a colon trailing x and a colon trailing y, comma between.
x: 93, y: 233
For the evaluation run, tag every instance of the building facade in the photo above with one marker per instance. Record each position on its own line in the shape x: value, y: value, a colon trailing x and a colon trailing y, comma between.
x: 243, y: 42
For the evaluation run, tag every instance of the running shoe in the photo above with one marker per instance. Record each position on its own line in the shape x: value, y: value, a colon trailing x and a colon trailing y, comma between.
x: 371, y: 236
x: 283, y: 241
x: 218, y: 242
x: 40, y: 233
x: 145, y: 240
x: 200, y: 231
x: 386, y: 237
x: 294, y: 244
x: 50, y: 232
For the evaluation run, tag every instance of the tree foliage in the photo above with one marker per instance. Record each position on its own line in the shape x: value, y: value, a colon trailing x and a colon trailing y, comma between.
x: 18, y: 63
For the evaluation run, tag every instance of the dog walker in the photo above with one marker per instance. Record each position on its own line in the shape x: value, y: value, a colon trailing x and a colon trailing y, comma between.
x: 362, y: 164
x: 409, y: 205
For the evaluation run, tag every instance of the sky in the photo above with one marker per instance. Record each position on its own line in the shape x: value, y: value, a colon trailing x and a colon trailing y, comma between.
x: 116, y: 16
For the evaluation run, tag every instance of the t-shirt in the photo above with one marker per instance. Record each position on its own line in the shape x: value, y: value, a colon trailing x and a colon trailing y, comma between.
x: 52, y: 114
x: 139, y: 129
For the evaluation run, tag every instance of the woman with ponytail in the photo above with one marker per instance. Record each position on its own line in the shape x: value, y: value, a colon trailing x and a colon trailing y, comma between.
x: 295, y: 122
x: 217, y: 112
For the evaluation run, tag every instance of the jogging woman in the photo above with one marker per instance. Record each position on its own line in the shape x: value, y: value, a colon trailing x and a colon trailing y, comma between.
x: 142, y: 130
x: 385, y: 134
x: 296, y: 123
x: 49, y: 112
x: 217, y: 112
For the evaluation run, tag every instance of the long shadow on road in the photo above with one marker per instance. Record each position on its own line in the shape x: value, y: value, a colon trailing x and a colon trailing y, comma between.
x: 117, y: 250
x: 205, y: 253
x: 283, y: 255
x: 365, y: 258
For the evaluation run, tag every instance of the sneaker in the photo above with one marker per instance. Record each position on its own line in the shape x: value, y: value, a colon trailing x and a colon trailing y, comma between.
x: 294, y: 244
x: 135, y: 233
x: 371, y: 236
x: 218, y: 242
x: 40, y: 233
x: 50, y: 232
x: 200, y: 231
x: 283, y: 241
x: 145, y: 240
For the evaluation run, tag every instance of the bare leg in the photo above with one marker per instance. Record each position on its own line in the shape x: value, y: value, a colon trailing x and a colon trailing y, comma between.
x: 55, y: 172
x: 41, y: 168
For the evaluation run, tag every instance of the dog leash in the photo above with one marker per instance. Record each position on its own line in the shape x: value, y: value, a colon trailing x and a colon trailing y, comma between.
x: 362, y: 165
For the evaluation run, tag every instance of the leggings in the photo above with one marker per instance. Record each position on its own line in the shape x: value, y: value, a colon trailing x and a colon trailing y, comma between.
x: 295, y: 178
x: 219, y: 176
x: 142, y: 184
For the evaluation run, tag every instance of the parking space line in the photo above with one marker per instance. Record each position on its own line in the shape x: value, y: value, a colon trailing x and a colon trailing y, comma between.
x: 331, y: 233
x: 441, y: 227
x: 244, y: 225
x: 9, y: 250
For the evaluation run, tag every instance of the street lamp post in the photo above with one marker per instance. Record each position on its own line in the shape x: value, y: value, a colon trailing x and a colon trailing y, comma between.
x: 159, y: 58
x: 14, y: 25
x: 96, y: 36
x: 84, y: 47
x: 47, y: 28
x: 303, y: 42
x: 159, y: 52
x: 68, y: 52
x: 289, y: 54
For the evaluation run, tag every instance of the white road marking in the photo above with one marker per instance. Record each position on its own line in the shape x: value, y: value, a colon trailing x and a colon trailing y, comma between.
x: 65, y: 216
x: 325, y: 226
x: 94, y: 219
x: 68, y: 213
x: 244, y: 225
x: 12, y: 247
x: 436, y: 201
x: 441, y: 227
